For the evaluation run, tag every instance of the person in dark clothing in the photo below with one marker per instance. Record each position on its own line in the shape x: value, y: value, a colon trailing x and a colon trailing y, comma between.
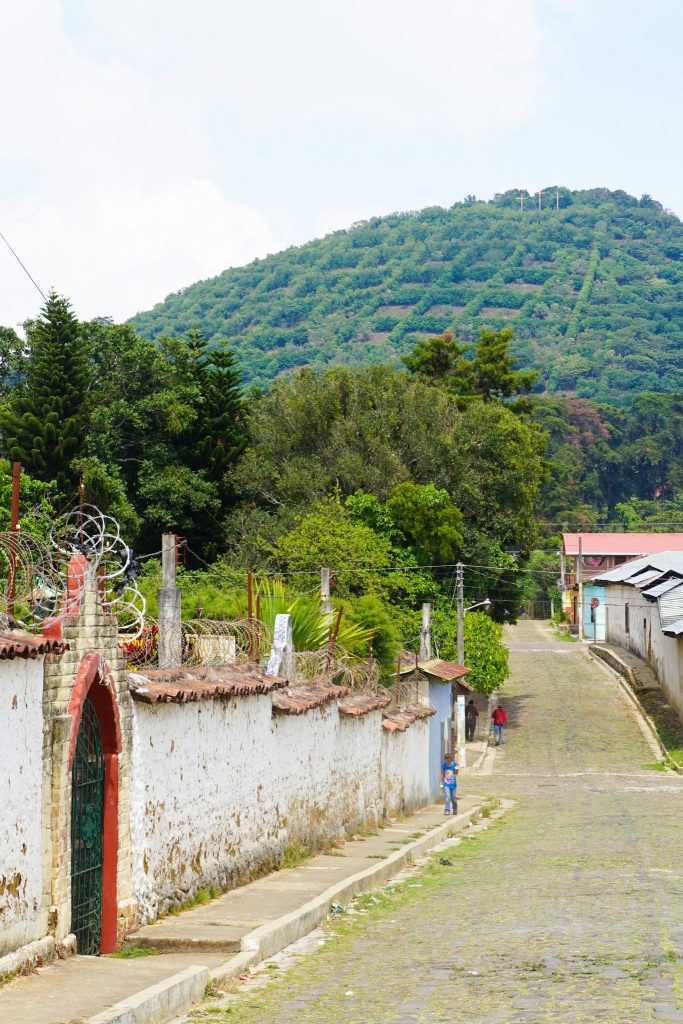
x: 471, y: 716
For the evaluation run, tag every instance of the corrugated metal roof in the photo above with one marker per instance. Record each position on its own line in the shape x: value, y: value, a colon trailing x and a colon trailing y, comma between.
x: 674, y: 628
x: 671, y: 606
x: 643, y: 579
x: 622, y: 543
x: 664, y: 562
x: 662, y: 588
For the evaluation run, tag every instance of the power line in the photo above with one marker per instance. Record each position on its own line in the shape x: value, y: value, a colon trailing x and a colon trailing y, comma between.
x: 23, y: 267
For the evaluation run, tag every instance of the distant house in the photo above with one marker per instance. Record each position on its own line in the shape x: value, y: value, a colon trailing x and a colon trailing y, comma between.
x: 437, y: 683
x: 644, y: 613
x: 601, y: 552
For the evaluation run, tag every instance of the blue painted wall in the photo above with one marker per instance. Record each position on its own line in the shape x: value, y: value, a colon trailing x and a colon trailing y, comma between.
x: 593, y: 618
x: 440, y: 698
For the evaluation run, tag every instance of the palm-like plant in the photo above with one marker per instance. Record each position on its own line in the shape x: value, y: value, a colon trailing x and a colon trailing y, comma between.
x: 311, y: 624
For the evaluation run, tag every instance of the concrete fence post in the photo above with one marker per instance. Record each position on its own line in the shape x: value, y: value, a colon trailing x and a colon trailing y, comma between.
x: 281, y: 661
x: 170, y: 637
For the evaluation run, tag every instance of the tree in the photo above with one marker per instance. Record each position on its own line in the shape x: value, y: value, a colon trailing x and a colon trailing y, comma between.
x: 218, y: 438
x: 45, y: 418
x: 490, y: 374
x: 438, y: 359
x: 495, y: 376
x: 486, y: 655
x: 428, y: 520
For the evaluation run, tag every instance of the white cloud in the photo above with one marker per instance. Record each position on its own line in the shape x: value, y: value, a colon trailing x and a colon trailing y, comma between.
x: 127, y: 121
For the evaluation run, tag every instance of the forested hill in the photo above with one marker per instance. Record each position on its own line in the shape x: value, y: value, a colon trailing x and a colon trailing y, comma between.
x: 593, y: 291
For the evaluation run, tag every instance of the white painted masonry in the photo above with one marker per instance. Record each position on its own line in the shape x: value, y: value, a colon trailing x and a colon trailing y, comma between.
x: 645, y: 638
x: 221, y: 787
x: 23, y: 915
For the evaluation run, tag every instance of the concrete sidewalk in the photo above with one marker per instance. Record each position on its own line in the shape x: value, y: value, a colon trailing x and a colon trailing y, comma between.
x: 223, y: 938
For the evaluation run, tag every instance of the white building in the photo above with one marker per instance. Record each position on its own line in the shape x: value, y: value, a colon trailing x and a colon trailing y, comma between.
x: 644, y: 613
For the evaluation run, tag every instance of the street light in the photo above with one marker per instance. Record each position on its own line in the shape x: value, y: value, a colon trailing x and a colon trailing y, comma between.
x: 487, y: 604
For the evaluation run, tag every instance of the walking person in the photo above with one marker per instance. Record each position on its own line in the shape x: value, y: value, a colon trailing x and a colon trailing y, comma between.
x: 471, y: 716
x: 499, y: 722
x: 449, y: 783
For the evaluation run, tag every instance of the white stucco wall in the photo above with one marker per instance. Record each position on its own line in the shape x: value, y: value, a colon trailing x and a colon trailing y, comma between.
x: 22, y: 918
x: 405, y: 768
x: 646, y: 639
x: 221, y: 788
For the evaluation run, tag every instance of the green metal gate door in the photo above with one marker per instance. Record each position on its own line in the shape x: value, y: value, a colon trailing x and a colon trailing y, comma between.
x: 87, y: 806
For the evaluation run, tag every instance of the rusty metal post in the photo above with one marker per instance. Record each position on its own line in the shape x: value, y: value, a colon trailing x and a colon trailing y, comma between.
x: 332, y: 639
x: 250, y: 611
x: 14, y: 527
x: 257, y: 634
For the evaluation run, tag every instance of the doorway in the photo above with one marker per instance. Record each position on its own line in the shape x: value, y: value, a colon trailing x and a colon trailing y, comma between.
x: 87, y: 820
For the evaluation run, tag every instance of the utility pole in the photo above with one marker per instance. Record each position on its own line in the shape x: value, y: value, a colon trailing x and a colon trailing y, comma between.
x: 325, y: 591
x: 579, y: 579
x: 521, y: 202
x: 425, y: 633
x: 557, y: 200
x: 539, y: 200
x: 460, y: 599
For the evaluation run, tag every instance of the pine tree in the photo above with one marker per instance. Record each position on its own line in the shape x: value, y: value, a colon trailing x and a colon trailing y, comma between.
x: 217, y: 437
x: 221, y: 424
x: 44, y: 421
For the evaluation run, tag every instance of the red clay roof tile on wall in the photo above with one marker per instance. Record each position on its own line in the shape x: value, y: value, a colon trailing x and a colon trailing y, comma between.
x: 363, y: 703
x: 298, y: 700
x: 402, y: 718
x: 181, y: 685
x: 24, y: 645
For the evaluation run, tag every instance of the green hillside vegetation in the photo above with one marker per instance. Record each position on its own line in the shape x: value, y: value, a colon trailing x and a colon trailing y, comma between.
x: 593, y: 292
x: 388, y: 475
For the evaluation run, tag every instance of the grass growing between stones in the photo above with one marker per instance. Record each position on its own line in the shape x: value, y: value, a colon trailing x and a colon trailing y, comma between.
x: 201, y: 897
x: 133, y: 952
x: 295, y: 854
x: 259, y: 1003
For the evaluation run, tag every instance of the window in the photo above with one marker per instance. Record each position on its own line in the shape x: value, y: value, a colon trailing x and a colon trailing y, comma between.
x: 626, y: 622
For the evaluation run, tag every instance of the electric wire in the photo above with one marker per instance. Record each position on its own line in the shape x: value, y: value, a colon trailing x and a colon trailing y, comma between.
x: 23, y: 267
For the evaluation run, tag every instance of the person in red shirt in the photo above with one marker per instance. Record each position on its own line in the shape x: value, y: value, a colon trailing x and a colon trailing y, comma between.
x: 499, y: 721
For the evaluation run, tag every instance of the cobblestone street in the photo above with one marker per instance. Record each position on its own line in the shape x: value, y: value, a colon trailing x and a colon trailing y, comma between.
x: 566, y: 909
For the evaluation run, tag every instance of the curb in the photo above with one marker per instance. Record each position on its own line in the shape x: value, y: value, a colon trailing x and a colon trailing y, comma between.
x: 176, y: 995
x: 270, y: 938
x: 158, y: 1003
x: 614, y: 662
x: 646, y: 724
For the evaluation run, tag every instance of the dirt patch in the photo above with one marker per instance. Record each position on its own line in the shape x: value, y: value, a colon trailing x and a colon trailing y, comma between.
x: 502, y: 311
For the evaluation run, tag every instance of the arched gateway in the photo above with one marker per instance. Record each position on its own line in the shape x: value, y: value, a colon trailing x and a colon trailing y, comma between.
x: 93, y: 754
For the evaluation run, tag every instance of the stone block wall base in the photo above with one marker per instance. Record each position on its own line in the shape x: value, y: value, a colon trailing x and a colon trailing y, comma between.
x: 128, y: 919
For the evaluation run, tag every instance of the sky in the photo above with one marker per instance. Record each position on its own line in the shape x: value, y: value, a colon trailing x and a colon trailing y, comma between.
x: 148, y: 144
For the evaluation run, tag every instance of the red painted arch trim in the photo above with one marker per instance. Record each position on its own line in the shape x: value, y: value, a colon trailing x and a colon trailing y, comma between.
x: 94, y: 669
x: 94, y: 680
